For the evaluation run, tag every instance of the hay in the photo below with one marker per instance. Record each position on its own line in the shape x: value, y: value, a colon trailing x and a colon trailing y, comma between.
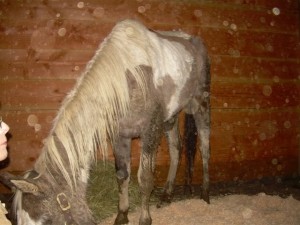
x: 102, y: 193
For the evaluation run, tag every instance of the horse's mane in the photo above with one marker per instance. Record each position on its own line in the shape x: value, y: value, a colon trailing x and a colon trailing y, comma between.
x: 89, y: 115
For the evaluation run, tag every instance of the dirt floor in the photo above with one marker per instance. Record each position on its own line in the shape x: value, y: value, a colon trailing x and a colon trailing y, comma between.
x: 266, y: 202
x: 260, y: 209
x: 261, y: 202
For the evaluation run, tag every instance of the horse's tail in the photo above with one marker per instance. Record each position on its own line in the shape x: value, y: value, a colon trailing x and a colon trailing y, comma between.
x: 190, y: 142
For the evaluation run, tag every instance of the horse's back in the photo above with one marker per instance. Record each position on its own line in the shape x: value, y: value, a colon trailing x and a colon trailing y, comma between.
x: 172, y: 64
x: 188, y: 76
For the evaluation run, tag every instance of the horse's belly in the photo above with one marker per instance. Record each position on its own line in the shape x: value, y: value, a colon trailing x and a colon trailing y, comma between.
x: 174, y: 96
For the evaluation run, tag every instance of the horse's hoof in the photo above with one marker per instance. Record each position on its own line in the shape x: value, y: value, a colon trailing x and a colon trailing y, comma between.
x: 165, y: 199
x: 162, y: 204
x: 205, y: 196
x: 189, y: 190
x: 147, y: 221
x: 121, y: 219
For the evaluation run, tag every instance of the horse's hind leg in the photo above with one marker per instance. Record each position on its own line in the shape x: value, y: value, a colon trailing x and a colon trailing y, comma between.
x: 122, y: 163
x: 202, y: 119
x: 174, y: 144
x: 150, y: 139
x: 190, y: 141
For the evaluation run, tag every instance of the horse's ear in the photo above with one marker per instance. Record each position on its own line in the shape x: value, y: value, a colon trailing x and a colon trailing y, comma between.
x: 26, y: 186
x: 5, y: 178
x: 22, y: 184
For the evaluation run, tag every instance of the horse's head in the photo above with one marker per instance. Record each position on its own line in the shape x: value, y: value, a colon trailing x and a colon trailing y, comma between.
x: 39, y: 202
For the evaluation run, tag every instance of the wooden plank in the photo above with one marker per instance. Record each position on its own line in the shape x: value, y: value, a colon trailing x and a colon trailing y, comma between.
x: 249, y: 4
x: 30, y: 123
x: 251, y: 44
x: 244, y: 69
x: 50, y: 19
x: 20, y: 71
x: 254, y: 96
x: 67, y: 34
x: 220, y: 17
x: 45, y: 56
x: 207, y: 13
x: 35, y: 94
x: 254, y: 4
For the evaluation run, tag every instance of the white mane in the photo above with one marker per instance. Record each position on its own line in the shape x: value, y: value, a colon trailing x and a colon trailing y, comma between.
x: 89, y: 115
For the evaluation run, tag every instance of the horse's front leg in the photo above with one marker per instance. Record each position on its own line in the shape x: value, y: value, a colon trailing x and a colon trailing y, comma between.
x: 122, y: 163
x: 150, y: 138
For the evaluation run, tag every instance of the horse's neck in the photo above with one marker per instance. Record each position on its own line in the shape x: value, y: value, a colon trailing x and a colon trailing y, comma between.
x: 44, y: 166
x: 55, y: 181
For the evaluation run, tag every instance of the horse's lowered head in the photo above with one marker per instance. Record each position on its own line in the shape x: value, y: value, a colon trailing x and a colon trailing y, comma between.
x: 39, y: 200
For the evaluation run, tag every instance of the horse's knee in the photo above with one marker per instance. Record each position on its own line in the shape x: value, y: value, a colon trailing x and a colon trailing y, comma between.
x: 146, y: 182
x: 122, y: 175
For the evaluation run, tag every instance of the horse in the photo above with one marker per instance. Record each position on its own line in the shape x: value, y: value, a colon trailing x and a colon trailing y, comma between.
x: 134, y: 86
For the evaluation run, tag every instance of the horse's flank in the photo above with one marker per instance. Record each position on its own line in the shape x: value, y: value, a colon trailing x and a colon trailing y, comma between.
x: 90, y: 114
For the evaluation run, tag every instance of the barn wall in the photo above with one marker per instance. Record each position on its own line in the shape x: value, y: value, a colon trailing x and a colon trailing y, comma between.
x: 255, y: 72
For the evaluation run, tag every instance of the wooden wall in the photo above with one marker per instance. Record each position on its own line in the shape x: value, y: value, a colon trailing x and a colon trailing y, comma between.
x: 254, y: 49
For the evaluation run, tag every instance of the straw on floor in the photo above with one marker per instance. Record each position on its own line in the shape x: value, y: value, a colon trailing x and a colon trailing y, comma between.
x: 103, y: 191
